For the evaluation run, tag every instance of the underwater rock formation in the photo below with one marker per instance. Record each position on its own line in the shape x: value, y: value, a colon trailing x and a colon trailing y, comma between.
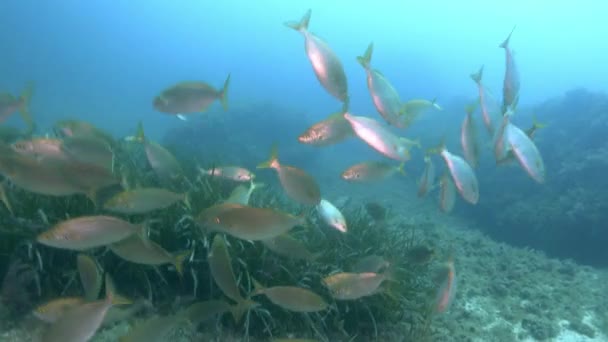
x: 236, y: 133
x: 14, y: 291
x: 568, y: 218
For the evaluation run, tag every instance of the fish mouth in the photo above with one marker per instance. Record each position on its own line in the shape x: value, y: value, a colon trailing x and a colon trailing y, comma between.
x: 62, y: 131
x: 156, y: 103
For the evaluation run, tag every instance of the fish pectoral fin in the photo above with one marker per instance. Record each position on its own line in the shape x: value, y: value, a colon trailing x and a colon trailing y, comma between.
x: 92, y: 195
x: 179, y: 260
x: 224, y: 94
x: 186, y: 201
x: 5, y: 200
x: 242, y: 307
x: 164, y: 100
x: 386, y: 290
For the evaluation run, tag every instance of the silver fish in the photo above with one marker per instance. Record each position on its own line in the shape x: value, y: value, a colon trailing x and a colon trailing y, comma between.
x: 325, y: 63
x: 490, y: 108
x: 463, y: 176
x: 468, y: 139
x: 447, y: 194
x: 428, y: 177
x: 90, y: 276
x: 379, y: 137
x: 511, y: 83
x: 385, y: 97
x: 329, y: 131
x: 88, y: 232
x: 253, y: 224
x: 298, y: 185
x: 292, y: 298
x: 81, y: 322
x: 526, y: 153
x: 190, y: 97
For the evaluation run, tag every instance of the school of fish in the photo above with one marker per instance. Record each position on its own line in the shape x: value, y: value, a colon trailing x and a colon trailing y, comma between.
x: 80, y: 159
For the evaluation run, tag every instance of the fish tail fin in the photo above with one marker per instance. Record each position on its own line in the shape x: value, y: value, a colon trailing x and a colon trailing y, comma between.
x: 345, y: 105
x: 422, y: 190
x: 387, y: 290
x: 224, y: 93
x: 301, y: 25
x: 110, y: 289
x: 476, y: 76
x: 186, y: 201
x: 401, y: 170
x: 366, y: 59
x: 86, y: 263
x: 470, y: 108
x: 437, y: 149
x: 24, y: 110
x: 537, y: 124
x: 315, y: 256
x: 505, y: 43
x: 405, y: 152
x: 5, y: 200
x: 178, y: 262
x: 257, y: 185
x: 92, y: 195
x: 112, y: 296
x: 258, y: 288
x: 142, y: 232
x: 435, y: 104
x: 303, y: 219
x: 403, y: 111
x: 274, y: 158
x: 140, y: 136
x: 390, y: 273
x: 241, y: 307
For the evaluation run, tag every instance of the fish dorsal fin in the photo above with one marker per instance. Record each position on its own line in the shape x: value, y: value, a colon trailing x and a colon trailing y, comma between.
x: 140, y: 136
x: 274, y: 158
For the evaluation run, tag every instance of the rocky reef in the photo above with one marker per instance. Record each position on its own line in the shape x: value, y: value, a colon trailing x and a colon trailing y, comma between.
x: 242, y: 135
x: 566, y: 217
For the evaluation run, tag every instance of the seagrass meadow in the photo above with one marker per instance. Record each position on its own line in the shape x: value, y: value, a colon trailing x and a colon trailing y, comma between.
x: 45, y: 273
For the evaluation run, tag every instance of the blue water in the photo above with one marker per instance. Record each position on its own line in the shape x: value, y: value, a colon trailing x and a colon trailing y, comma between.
x: 105, y: 60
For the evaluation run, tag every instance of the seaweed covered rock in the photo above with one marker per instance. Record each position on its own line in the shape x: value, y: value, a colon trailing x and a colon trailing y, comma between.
x: 582, y: 328
x: 540, y: 330
x: 565, y: 217
x: 242, y: 135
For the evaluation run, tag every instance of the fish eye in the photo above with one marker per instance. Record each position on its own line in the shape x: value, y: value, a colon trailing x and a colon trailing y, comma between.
x: 60, y: 236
